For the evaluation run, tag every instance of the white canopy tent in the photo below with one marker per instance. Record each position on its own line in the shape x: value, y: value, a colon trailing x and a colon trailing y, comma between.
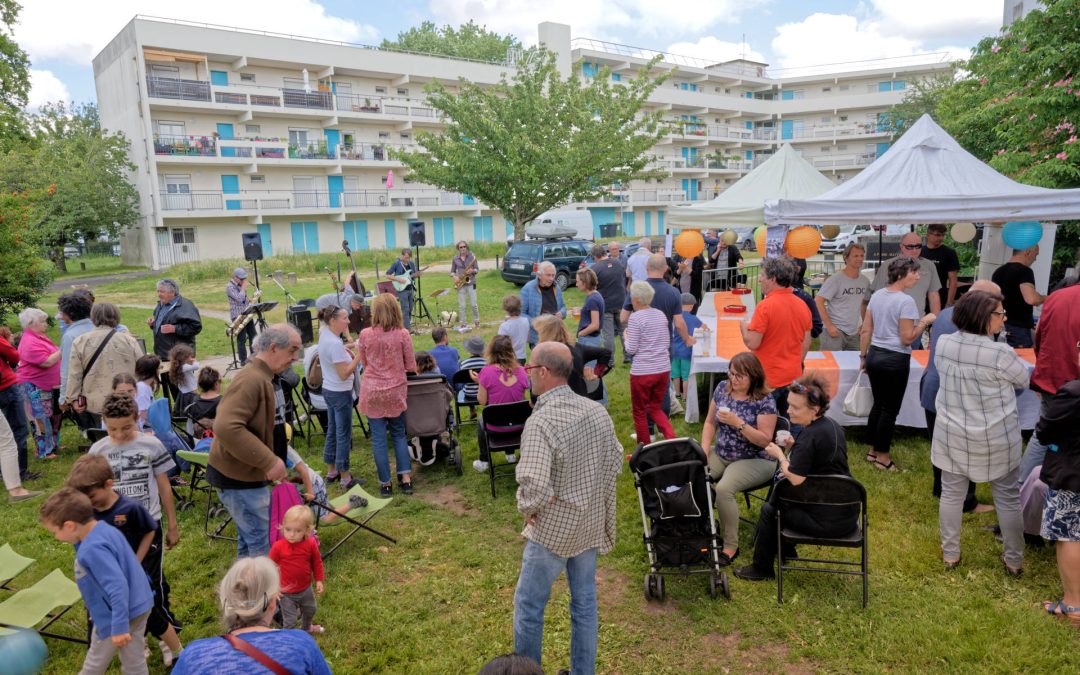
x: 784, y: 175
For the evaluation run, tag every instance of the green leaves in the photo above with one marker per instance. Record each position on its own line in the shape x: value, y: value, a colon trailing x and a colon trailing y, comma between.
x: 470, y: 41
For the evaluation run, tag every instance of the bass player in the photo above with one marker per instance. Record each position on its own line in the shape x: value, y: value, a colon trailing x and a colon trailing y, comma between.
x: 463, y: 270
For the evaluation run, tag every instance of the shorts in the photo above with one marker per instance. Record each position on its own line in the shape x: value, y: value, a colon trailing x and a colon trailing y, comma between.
x: 680, y: 369
x: 1061, y: 516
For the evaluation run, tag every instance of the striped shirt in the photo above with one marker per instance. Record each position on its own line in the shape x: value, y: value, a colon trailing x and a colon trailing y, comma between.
x: 570, y: 457
x: 647, y: 338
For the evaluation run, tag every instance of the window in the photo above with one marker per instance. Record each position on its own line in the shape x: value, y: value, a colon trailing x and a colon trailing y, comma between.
x: 402, y: 91
x: 258, y: 180
x: 164, y: 71
x: 843, y: 118
x: 845, y: 87
x: 170, y: 128
x: 247, y: 77
x: 841, y: 147
x: 826, y: 148
x: 826, y: 89
x: 298, y: 136
x: 252, y: 128
x: 615, y: 77
x: 405, y: 136
x: 384, y: 135
x: 826, y: 120
x: 183, y: 235
x: 380, y: 90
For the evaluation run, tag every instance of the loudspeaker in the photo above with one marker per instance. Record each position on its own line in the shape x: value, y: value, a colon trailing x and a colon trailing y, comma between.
x: 299, y: 317
x: 252, y: 246
x: 417, y: 233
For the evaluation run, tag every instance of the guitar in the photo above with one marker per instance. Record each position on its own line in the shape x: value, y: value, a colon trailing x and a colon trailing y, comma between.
x: 359, y: 319
x: 402, y: 281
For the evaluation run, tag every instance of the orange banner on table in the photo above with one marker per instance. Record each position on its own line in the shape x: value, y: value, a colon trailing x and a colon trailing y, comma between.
x: 722, y: 299
x: 729, y: 340
x: 922, y: 356
x: 828, y: 367
x: 1028, y: 354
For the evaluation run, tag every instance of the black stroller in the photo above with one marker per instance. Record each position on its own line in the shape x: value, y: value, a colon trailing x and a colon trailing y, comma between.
x: 676, y: 500
x: 429, y: 421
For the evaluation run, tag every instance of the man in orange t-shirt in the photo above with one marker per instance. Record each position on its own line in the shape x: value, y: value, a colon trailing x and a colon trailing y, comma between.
x: 779, y: 332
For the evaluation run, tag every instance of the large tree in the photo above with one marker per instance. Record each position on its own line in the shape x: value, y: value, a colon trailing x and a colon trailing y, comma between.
x: 24, y: 273
x: 89, y: 168
x: 536, y: 141
x: 470, y: 41
x: 14, y: 76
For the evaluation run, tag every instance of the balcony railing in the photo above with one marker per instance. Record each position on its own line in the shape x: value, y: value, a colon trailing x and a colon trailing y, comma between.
x: 187, y: 146
x: 842, y: 161
x: 178, y: 89
x: 272, y: 148
x: 317, y: 150
x: 836, y: 131
x: 258, y: 200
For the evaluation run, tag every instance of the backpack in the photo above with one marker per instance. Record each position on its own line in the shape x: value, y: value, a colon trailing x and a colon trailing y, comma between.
x: 314, y: 376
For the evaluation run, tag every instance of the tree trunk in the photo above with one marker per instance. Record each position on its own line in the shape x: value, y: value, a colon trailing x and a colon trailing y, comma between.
x: 59, y: 260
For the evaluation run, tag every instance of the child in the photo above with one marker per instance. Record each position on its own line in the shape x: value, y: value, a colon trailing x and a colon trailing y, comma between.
x: 92, y: 476
x: 203, y: 410
x: 425, y: 363
x: 475, y: 347
x: 182, y: 369
x: 112, y: 584
x: 445, y: 356
x: 147, y: 383
x: 297, y: 555
x: 123, y: 384
x: 515, y: 325
x: 680, y: 353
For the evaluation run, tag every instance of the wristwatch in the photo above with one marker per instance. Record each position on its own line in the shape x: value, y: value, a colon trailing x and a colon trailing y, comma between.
x: 740, y: 427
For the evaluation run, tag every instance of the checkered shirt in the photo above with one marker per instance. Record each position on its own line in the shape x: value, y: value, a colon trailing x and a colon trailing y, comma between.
x: 569, y: 452
x: 977, y: 433
x: 238, y: 300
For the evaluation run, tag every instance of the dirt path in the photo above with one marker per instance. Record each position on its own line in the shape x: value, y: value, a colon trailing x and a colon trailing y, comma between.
x: 66, y: 284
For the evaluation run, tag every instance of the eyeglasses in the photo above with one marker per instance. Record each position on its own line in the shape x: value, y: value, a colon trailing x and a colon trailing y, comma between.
x: 734, y: 375
x: 1002, y: 314
x: 533, y: 367
x: 912, y: 247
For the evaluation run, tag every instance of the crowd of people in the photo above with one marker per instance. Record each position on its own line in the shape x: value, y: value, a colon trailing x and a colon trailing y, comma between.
x: 766, y: 419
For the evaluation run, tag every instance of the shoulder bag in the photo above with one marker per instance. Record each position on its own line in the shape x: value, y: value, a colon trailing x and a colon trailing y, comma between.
x: 257, y: 654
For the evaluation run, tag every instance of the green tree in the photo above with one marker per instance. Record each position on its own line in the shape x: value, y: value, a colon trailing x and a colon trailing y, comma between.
x: 24, y: 274
x: 14, y: 76
x: 470, y: 41
x: 89, y: 168
x: 530, y: 144
x: 923, y: 96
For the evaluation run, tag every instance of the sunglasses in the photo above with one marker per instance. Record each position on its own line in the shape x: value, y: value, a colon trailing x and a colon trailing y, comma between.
x: 912, y: 247
x: 811, y: 394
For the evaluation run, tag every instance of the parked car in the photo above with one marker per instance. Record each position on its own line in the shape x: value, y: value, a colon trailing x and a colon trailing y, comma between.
x: 524, y: 258
x: 852, y: 233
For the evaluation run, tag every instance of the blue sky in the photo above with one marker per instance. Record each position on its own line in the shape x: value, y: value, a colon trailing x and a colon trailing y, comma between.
x: 62, y: 36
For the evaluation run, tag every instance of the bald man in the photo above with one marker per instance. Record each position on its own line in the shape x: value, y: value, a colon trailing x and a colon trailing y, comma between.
x: 926, y: 293
x: 635, y: 264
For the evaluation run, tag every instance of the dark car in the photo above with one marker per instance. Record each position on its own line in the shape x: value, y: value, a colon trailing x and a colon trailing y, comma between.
x: 524, y: 257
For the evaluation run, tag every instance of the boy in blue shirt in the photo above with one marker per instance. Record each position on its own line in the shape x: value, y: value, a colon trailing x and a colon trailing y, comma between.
x: 680, y: 353
x: 113, y: 585
x: 446, y: 357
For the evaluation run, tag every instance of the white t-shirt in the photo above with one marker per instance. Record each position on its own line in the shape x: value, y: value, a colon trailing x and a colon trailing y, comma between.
x: 189, y: 381
x: 517, y: 328
x: 844, y: 297
x: 887, y: 308
x: 135, y: 468
x: 144, y: 396
x: 332, y: 350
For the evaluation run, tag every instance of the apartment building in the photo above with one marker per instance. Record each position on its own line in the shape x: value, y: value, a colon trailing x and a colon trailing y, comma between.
x: 236, y: 131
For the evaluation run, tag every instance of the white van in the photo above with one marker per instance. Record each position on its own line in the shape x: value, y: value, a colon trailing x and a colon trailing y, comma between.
x: 578, y: 220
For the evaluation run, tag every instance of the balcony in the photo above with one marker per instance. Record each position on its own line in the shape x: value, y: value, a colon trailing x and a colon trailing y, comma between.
x: 842, y: 161
x: 835, y: 132
x: 317, y: 150
x: 178, y: 89
x: 213, y: 202
x: 259, y: 148
x: 185, y: 146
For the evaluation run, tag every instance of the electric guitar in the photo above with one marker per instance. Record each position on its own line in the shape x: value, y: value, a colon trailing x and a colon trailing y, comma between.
x: 402, y: 281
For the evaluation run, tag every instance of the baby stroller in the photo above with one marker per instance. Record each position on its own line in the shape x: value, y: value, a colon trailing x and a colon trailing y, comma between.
x: 676, y: 500
x: 429, y: 419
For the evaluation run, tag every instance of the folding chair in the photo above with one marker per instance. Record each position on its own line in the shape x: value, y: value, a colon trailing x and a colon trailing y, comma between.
x: 312, y: 416
x: 95, y: 435
x: 782, y: 424
x: 500, y: 430
x: 198, y: 462
x: 11, y: 565
x: 462, y: 378
x: 29, y: 607
x: 358, y: 518
x: 815, y: 492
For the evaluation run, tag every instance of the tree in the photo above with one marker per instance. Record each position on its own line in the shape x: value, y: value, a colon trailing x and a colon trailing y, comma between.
x: 530, y: 144
x: 470, y: 41
x: 923, y: 96
x: 89, y: 168
x: 24, y: 274
x: 14, y: 76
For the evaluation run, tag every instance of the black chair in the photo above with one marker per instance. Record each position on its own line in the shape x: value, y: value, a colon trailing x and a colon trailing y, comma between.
x: 313, y: 421
x: 782, y: 424
x: 816, y: 492
x: 499, y: 430
x: 462, y: 378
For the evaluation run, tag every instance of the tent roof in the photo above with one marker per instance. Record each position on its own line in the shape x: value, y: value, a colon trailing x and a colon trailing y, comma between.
x: 926, y: 177
x: 784, y: 175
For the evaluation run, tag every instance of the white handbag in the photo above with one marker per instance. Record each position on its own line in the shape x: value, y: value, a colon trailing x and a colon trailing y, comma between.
x: 859, y: 399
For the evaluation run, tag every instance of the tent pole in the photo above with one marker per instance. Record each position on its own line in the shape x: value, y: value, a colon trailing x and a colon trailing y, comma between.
x: 880, y: 244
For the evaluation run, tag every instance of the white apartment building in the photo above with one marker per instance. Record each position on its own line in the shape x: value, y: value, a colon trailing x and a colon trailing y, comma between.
x: 235, y: 131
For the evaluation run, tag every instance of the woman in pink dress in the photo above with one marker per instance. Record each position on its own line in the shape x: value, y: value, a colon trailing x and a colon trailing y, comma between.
x: 386, y: 352
x: 38, y: 375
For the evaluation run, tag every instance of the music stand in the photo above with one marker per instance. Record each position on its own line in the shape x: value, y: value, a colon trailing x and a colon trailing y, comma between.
x: 435, y: 296
x: 386, y: 287
x: 257, y: 310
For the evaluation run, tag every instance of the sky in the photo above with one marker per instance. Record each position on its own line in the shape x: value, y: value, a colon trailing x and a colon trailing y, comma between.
x: 62, y: 36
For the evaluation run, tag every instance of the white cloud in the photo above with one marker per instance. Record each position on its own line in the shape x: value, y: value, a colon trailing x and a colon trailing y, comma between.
x: 715, y: 50
x: 45, y: 88
x: 75, y: 30
x: 940, y: 19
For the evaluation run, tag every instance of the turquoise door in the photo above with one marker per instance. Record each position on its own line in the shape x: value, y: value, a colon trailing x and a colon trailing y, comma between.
x: 390, y: 233
x: 660, y: 222
x: 628, y: 224
x: 509, y: 230
x: 264, y: 234
x: 648, y: 223
x: 335, y: 185
x: 786, y: 130
x: 219, y: 78
x: 225, y: 133
x: 333, y: 137
x: 881, y: 148
x: 230, y: 185
x: 355, y: 232
x: 444, y: 231
x: 297, y: 231
x: 311, y: 237
x: 601, y: 217
x: 690, y: 189
x: 468, y: 200
x: 482, y: 228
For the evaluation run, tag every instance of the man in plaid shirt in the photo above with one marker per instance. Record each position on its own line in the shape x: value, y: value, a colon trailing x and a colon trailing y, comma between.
x: 570, y: 457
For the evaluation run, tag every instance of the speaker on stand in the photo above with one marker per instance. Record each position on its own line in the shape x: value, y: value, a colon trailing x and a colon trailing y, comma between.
x: 417, y: 234
x: 418, y: 238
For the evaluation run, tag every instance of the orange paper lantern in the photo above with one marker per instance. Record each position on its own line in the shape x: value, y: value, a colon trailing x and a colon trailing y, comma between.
x: 759, y: 239
x: 689, y: 243
x: 802, y: 242
x: 830, y: 231
x: 730, y: 237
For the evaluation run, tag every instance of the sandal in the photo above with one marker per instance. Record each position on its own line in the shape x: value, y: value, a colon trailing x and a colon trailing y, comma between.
x: 726, y: 559
x: 1062, y: 611
x: 891, y: 466
x: 871, y: 457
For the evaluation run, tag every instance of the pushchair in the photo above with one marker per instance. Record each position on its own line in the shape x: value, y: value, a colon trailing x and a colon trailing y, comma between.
x: 676, y: 498
x: 429, y: 420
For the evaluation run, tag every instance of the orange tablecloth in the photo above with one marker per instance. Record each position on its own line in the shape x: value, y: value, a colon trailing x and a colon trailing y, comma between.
x: 827, y: 366
x: 923, y: 356
x: 723, y: 298
x: 729, y: 340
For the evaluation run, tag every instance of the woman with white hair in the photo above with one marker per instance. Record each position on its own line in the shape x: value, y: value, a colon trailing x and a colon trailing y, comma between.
x: 38, y: 376
x: 248, y: 598
x: 647, y: 339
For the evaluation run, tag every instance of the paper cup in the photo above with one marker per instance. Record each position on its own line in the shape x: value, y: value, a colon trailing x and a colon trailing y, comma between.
x: 782, y: 436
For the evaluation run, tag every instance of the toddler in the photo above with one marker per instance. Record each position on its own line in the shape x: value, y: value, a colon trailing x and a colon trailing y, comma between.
x: 297, y: 556
x: 680, y: 353
x: 182, y: 369
x: 515, y: 325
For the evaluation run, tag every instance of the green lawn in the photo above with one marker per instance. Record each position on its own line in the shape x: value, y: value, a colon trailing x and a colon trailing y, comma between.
x: 440, y: 600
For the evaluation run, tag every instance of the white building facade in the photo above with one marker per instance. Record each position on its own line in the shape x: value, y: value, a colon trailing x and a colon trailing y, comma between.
x: 237, y: 131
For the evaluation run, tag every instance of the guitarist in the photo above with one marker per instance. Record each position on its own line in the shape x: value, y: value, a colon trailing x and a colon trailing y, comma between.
x: 463, y: 270
x: 404, y: 271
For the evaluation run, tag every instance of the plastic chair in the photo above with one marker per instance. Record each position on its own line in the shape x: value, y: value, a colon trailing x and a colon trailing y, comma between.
x: 358, y: 517
x: 500, y: 430
x: 11, y: 565
x: 816, y: 492
x: 31, y: 606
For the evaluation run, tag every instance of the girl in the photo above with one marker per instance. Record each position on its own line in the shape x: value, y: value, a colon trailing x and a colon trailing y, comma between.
x: 503, y: 380
x: 202, y: 411
x: 425, y: 363
x: 182, y: 368
x: 146, y: 385
x: 124, y: 384
x: 297, y: 556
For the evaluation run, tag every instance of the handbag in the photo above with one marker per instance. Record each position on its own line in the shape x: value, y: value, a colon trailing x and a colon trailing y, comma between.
x: 860, y: 398
x: 257, y: 654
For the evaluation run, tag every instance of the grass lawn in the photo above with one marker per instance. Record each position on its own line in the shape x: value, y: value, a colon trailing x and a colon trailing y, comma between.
x: 441, y: 599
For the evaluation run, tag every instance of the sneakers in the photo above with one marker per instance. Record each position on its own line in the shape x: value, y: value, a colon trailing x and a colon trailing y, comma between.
x: 480, y: 465
x: 751, y: 573
x: 386, y: 490
x: 315, y: 629
x: 166, y: 653
x: 511, y: 458
x: 463, y: 329
x: 406, y: 488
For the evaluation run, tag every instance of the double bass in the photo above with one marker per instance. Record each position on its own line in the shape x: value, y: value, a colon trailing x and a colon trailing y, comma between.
x: 359, y: 319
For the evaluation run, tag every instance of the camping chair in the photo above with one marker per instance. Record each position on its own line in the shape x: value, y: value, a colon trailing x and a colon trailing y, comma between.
x: 782, y: 424
x: 95, y: 435
x: 198, y: 461
x: 314, y: 422
x: 30, y: 606
x: 832, y: 491
x: 500, y: 430
x: 11, y: 565
x: 460, y: 379
x: 358, y: 518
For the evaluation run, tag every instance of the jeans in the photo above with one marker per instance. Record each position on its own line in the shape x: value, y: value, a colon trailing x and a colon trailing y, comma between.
x: 970, y: 502
x: 339, y: 407
x: 392, y: 430
x: 250, y: 510
x: 888, y: 373
x: 612, y: 328
x: 1006, y: 491
x: 406, y: 299
x: 467, y: 292
x: 646, y: 394
x: 243, y: 339
x: 539, y: 570
x: 298, y: 609
x: 1036, y: 451
x: 11, y: 406
x: 1019, y: 337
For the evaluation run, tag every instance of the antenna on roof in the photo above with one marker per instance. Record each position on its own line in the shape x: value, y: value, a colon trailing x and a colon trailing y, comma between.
x: 743, y: 46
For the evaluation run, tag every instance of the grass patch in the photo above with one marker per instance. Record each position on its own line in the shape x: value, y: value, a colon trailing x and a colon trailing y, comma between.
x: 96, y: 266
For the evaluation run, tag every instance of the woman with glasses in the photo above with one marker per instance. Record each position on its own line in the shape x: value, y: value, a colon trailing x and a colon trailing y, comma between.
x: 890, y: 326
x: 338, y: 373
x: 977, y: 432
x: 463, y: 270
x: 740, y: 423
x: 820, y: 450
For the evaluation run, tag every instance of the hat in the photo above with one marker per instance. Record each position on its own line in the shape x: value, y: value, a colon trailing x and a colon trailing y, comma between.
x: 688, y: 299
x: 475, y: 345
x: 357, y: 298
x: 240, y: 273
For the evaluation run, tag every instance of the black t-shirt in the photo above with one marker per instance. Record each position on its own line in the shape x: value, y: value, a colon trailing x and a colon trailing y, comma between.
x: 131, y: 518
x: 665, y: 298
x: 611, y: 283
x: 945, y: 260
x: 1010, y: 276
x: 549, y: 301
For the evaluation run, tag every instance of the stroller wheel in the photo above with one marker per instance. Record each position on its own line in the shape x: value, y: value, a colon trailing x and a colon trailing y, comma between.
x: 185, y: 505
x: 725, y: 590
x: 654, y: 587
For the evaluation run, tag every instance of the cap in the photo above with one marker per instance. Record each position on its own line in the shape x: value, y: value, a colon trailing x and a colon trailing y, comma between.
x: 688, y: 299
x: 474, y: 345
x: 357, y: 298
x: 240, y: 273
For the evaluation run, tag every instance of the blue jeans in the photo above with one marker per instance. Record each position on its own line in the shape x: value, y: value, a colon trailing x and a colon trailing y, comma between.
x: 250, y: 510
x: 339, y: 406
x: 539, y: 570
x: 386, y: 430
x: 11, y: 406
x: 1019, y: 337
x: 1036, y: 451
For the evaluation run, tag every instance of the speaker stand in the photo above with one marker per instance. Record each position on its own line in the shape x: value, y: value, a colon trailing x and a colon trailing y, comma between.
x: 420, y: 308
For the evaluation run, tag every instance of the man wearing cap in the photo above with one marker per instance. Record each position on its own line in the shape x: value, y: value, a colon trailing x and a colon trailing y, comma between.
x: 236, y: 290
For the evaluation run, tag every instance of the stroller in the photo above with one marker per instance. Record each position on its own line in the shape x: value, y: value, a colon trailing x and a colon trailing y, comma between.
x: 429, y: 420
x: 676, y: 499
